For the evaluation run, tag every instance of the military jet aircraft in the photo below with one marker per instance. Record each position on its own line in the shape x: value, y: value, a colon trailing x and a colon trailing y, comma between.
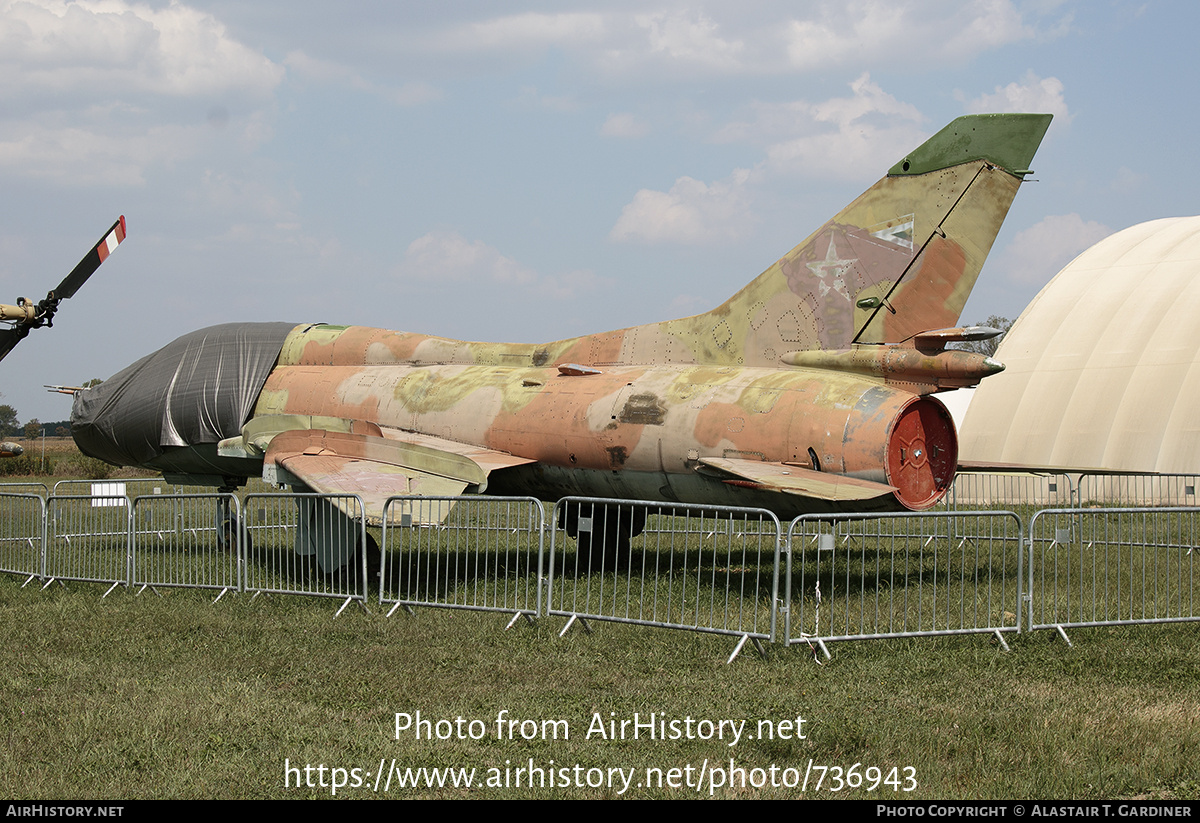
x: 808, y: 390
x: 26, y: 315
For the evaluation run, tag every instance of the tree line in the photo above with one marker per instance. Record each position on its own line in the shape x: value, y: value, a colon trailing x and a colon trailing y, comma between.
x: 11, y: 427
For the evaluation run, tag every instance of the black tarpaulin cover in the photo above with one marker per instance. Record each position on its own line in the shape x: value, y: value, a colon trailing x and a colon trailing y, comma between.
x: 199, y: 389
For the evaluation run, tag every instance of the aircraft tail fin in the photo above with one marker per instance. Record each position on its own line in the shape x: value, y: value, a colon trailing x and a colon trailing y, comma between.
x: 900, y: 259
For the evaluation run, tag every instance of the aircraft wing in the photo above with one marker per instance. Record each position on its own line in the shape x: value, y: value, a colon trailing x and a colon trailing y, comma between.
x: 376, y: 467
x: 782, y: 477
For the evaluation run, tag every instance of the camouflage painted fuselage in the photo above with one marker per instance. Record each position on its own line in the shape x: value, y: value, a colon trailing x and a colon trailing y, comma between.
x: 622, y: 431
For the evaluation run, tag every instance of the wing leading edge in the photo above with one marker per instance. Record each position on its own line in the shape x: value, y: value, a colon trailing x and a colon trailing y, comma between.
x: 343, y: 457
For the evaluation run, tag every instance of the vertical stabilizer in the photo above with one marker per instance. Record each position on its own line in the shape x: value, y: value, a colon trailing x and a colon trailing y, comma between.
x: 900, y: 259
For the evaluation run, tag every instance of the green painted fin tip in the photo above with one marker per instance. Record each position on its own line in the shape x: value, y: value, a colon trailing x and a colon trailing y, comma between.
x: 1005, y: 140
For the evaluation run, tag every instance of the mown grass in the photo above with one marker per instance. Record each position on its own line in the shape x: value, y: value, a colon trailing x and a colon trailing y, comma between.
x: 173, y: 696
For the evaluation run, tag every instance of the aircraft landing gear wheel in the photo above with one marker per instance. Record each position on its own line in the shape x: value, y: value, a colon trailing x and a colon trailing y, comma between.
x: 227, y: 536
x: 604, y: 547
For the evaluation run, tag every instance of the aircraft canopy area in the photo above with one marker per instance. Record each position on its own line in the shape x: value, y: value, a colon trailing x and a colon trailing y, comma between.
x: 1103, y: 367
x: 200, y: 388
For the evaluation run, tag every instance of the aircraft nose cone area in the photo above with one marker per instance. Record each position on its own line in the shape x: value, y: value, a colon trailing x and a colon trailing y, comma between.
x: 198, y: 389
x: 94, y: 426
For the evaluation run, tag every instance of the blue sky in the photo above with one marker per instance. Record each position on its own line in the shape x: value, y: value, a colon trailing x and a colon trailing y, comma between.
x: 527, y: 171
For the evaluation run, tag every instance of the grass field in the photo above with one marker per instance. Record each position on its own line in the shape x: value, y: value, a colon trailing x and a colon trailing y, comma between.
x: 172, y: 696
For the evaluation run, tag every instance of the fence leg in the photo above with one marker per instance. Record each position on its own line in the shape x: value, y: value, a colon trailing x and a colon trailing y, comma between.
x: 1000, y: 640
x: 347, y: 602
x: 742, y: 642
x: 571, y: 621
x: 405, y: 606
x: 517, y: 617
x: 1064, y: 636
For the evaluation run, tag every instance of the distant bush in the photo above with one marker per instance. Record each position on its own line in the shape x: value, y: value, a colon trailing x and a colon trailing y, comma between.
x: 26, y: 465
x: 85, y: 468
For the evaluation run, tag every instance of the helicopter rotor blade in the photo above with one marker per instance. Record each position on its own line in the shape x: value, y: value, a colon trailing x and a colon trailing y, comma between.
x: 26, y: 315
x: 92, y: 260
x: 10, y: 337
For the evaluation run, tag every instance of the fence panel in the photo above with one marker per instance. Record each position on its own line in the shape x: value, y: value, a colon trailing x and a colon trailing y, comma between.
x: 186, y: 540
x: 131, y: 488
x: 87, y: 538
x: 865, y: 576
x: 468, y: 552
x: 1101, y: 566
x: 1153, y: 490
x: 707, y: 569
x: 308, y: 544
x: 38, y: 489
x: 22, y: 533
x: 1010, y: 491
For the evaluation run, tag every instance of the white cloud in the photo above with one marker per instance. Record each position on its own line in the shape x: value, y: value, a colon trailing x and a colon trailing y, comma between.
x: 114, y: 48
x: 1033, y: 94
x: 653, y: 42
x: 690, y: 38
x: 624, y: 125
x: 1038, y: 253
x: 522, y: 32
x: 73, y: 155
x: 921, y: 32
x: 691, y: 212
x: 846, y: 137
x: 448, y: 257
x: 99, y: 92
x: 241, y: 198
x: 117, y: 145
x: 865, y: 27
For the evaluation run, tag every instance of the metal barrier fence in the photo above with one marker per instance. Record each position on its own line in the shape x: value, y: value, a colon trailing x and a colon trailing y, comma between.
x: 308, y: 544
x: 852, y: 577
x: 131, y: 488
x: 25, y: 488
x: 1138, y: 490
x: 706, y: 569
x: 700, y: 568
x: 113, y: 489
x: 468, y: 552
x: 87, y: 539
x: 22, y: 533
x: 187, y: 540
x: 1092, y: 567
x: 1008, y: 490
